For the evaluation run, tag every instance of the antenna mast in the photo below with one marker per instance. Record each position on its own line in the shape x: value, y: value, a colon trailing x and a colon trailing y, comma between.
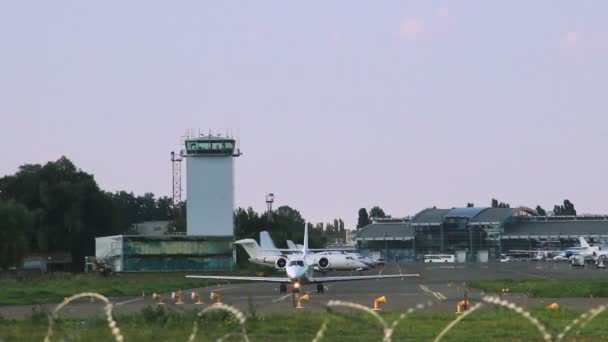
x: 177, y: 181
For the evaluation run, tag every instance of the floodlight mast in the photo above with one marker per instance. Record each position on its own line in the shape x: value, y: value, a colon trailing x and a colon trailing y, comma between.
x: 269, y: 201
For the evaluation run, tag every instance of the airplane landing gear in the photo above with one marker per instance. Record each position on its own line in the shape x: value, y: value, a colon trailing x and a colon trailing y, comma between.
x: 320, y: 288
x: 283, y: 288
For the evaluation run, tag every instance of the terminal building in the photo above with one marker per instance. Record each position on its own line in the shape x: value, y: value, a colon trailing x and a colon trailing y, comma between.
x: 476, y: 234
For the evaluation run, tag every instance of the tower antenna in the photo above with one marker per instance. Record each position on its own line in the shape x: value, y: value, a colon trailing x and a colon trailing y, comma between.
x: 176, y: 162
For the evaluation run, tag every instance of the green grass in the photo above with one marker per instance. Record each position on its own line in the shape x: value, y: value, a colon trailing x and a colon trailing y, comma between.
x: 53, y: 288
x: 548, y: 288
x: 158, y: 324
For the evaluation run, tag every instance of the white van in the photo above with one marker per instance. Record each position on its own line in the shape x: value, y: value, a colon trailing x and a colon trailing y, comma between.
x: 439, y: 258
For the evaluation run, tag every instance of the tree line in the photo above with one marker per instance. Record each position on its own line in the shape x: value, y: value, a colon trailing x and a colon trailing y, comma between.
x: 284, y: 223
x: 57, y: 207
x: 364, y: 218
x: 565, y: 209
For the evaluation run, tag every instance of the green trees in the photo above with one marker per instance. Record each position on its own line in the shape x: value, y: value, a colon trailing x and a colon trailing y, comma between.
x: 540, y: 211
x: 15, y: 224
x: 565, y: 209
x: 496, y: 204
x: 287, y: 224
x: 363, y: 219
x: 67, y: 210
x: 377, y: 212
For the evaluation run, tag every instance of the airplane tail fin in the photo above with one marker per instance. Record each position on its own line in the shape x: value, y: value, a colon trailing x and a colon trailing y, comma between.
x: 305, y: 247
x: 291, y: 245
x: 584, y: 243
x: 267, y: 243
x: 250, y: 246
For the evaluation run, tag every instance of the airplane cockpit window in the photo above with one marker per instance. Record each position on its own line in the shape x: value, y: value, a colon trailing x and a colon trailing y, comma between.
x: 300, y: 263
x: 293, y: 263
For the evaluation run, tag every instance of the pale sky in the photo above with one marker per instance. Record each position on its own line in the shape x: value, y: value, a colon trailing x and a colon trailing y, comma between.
x: 340, y: 104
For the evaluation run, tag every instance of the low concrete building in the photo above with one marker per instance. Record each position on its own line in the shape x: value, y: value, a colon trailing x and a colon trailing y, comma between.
x: 145, y: 253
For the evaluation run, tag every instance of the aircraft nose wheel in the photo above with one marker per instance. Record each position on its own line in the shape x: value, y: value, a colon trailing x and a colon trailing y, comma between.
x: 320, y: 288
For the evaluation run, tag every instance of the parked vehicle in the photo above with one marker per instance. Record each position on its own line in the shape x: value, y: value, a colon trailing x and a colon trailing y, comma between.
x: 439, y: 258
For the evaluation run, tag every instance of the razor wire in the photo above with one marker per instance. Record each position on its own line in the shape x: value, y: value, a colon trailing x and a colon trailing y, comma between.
x: 388, y: 328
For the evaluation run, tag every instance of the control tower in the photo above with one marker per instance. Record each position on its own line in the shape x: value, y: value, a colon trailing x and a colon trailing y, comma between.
x: 210, y: 185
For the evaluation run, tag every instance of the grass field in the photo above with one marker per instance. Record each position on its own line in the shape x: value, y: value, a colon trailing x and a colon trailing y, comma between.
x: 53, y: 288
x: 548, y: 288
x: 158, y: 324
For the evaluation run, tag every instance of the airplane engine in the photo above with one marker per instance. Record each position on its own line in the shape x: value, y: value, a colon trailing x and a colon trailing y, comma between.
x: 323, y: 263
x: 280, y: 263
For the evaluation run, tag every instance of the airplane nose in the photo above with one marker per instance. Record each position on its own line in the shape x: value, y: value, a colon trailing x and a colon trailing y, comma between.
x: 290, y: 273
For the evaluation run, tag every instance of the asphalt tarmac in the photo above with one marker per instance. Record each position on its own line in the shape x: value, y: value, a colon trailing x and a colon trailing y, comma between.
x: 438, y: 288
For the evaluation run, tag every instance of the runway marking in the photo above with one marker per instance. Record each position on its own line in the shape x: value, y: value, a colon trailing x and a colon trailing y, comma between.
x: 129, y: 301
x: 435, y: 294
x: 282, y: 298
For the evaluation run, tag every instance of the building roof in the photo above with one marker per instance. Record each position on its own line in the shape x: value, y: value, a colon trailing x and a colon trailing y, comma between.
x: 569, y: 229
x: 495, y: 214
x: 436, y: 216
x: 430, y: 216
x: 209, y: 138
x: 468, y: 212
x: 386, y: 231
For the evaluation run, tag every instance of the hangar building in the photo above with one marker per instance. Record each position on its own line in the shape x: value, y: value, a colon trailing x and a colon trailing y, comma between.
x: 476, y: 233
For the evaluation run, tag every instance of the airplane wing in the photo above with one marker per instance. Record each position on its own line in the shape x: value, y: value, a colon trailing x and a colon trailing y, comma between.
x: 532, y: 251
x: 262, y: 279
x: 331, y: 249
x: 280, y: 250
x: 310, y: 250
x: 365, y: 277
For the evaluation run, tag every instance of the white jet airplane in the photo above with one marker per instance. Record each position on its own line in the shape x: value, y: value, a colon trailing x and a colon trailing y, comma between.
x: 267, y: 257
x: 584, y: 249
x: 300, y: 272
x: 270, y: 255
x: 355, y: 256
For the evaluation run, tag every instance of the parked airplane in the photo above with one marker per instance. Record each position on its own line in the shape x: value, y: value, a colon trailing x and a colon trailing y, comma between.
x: 584, y: 249
x: 339, y: 258
x: 300, y: 271
x: 367, y: 261
x: 267, y: 257
x: 270, y: 255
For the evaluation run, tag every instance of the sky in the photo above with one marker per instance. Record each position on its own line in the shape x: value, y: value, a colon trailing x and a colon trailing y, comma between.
x: 339, y: 105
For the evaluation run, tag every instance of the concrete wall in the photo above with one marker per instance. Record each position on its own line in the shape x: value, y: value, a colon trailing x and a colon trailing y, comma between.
x: 210, y: 195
